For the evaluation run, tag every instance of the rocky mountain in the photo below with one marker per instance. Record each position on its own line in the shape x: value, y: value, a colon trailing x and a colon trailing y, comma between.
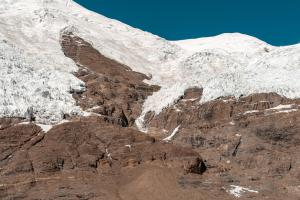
x: 91, y: 108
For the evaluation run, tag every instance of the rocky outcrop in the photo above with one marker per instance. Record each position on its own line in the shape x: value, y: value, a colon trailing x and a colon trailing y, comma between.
x: 113, y: 89
x: 84, y: 159
x: 251, y: 141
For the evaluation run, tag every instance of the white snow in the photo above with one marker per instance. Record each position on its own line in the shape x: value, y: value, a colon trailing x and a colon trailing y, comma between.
x: 108, y: 154
x: 283, y: 107
x: 44, y: 127
x: 23, y: 123
x: 170, y: 137
x: 178, y: 110
x: 88, y: 114
x: 93, y: 108
x: 230, y: 42
x: 184, y: 100
x: 251, y: 111
x: 287, y: 111
x: 24, y: 89
x: 227, y: 100
x: 129, y: 146
x: 35, y: 75
x: 63, y: 121
x: 237, y: 191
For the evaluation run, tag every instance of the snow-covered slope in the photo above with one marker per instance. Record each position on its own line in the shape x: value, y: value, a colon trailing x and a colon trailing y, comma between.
x: 40, y: 92
x: 32, y: 63
x: 230, y: 42
x: 226, y: 65
x: 36, y: 24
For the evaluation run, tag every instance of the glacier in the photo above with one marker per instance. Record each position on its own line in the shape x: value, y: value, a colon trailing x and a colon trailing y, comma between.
x: 35, y: 75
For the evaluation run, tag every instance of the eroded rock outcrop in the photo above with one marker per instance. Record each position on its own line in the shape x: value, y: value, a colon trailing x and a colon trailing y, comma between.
x: 84, y: 157
x: 251, y: 141
x: 113, y: 89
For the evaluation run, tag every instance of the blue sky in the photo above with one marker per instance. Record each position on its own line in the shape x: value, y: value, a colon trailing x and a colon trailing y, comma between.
x: 274, y: 21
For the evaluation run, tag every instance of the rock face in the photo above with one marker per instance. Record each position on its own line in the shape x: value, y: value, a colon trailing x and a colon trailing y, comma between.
x: 229, y: 148
x: 113, y: 89
x: 86, y: 159
x: 251, y: 141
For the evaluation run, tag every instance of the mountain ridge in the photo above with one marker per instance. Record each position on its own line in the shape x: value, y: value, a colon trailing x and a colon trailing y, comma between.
x: 145, y: 52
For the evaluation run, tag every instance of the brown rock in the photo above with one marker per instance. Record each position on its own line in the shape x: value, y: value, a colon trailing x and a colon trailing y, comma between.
x: 113, y: 89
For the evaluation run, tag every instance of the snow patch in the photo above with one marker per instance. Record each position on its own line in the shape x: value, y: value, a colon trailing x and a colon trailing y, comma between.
x: 44, y: 127
x: 287, y: 111
x: 232, y: 123
x: 238, y: 191
x: 140, y: 123
x: 178, y: 110
x: 108, y: 154
x: 227, y: 100
x: 88, y: 114
x: 24, y: 123
x: 184, y: 100
x: 169, y: 138
x: 283, y: 109
x: 93, y: 108
x: 129, y: 146
x: 63, y: 121
x: 251, y: 111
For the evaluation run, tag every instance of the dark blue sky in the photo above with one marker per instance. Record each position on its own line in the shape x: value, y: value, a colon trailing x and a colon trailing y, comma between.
x: 274, y: 21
